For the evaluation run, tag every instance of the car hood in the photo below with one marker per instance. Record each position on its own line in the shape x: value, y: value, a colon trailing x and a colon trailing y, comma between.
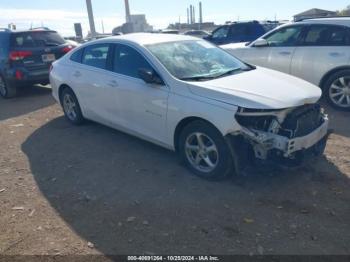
x: 259, y: 89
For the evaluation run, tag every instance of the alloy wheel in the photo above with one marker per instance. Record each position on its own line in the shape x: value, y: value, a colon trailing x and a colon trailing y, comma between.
x: 339, y: 92
x: 70, y: 107
x: 201, y: 152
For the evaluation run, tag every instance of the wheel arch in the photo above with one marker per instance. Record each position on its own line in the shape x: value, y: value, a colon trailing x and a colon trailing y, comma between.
x: 330, y: 73
x: 185, y: 122
x: 60, y: 91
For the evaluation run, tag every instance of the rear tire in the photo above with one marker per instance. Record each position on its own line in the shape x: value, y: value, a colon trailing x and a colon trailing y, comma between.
x: 205, y: 151
x: 7, y: 90
x: 71, y: 107
x: 337, y: 90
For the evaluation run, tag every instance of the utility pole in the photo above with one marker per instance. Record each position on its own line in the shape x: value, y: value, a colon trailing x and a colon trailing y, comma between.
x: 91, y: 18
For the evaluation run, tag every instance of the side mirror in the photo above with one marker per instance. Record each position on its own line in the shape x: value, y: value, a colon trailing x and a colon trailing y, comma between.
x: 149, y: 76
x: 208, y: 37
x: 261, y: 43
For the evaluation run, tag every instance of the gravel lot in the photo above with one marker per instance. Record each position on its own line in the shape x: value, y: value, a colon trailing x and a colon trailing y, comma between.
x: 94, y: 190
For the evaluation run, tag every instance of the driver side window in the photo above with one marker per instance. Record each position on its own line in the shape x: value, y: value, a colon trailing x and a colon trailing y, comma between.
x: 127, y: 61
x: 287, y: 36
x: 221, y: 32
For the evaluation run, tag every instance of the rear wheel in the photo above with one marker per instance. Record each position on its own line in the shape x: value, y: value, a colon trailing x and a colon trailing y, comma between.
x: 205, y: 151
x: 7, y: 90
x: 71, y: 107
x: 337, y: 90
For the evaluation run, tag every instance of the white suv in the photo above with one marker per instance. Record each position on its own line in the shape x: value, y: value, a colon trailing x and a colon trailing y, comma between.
x: 316, y: 50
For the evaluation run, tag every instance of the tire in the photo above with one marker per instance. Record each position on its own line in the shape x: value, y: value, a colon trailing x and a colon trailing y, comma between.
x: 337, y: 90
x: 205, y: 151
x: 71, y: 107
x: 7, y: 90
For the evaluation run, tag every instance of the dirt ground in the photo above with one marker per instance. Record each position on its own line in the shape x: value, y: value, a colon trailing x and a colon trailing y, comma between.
x: 94, y: 190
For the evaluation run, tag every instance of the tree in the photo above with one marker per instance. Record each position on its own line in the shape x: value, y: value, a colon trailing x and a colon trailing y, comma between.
x: 345, y: 12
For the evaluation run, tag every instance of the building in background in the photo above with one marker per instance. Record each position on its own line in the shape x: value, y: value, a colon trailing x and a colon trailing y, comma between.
x: 314, y: 13
x: 192, y: 24
x: 133, y: 23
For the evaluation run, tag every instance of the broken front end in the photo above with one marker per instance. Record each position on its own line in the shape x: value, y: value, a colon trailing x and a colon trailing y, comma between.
x: 285, y: 136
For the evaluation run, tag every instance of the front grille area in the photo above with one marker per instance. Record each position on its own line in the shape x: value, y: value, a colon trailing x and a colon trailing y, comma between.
x: 302, y: 121
x: 261, y: 123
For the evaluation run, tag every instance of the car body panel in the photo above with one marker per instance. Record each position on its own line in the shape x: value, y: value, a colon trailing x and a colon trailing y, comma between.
x: 269, y: 90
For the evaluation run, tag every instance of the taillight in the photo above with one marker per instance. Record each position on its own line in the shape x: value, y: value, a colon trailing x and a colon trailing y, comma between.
x: 67, y: 49
x: 19, y: 75
x: 19, y: 55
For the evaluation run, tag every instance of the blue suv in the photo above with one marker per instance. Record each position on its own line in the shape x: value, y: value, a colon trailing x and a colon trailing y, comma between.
x: 239, y: 32
x: 26, y: 57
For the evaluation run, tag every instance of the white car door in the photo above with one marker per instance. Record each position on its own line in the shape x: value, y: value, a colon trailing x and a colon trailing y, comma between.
x: 281, y: 47
x: 324, y: 48
x: 142, y: 107
x: 278, y: 52
x: 89, y: 81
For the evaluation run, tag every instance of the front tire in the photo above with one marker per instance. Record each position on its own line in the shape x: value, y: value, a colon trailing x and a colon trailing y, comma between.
x: 71, y: 107
x: 337, y: 90
x: 7, y: 90
x: 205, y: 151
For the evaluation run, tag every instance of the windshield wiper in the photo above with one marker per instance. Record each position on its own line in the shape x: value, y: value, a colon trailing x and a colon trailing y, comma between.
x: 233, y: 71
x: 197, y: 78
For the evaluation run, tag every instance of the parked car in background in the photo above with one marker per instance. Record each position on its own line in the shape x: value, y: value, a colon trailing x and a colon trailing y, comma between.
x: 237, y: 32
x: 197, y: 33
x: 170, y: 31
x: 188, y: 95
x: 316, y: 50
x: 72, y: 43
x: 26, y: 56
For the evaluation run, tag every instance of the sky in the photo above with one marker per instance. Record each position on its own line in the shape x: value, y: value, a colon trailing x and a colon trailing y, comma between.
x: 61, y: 15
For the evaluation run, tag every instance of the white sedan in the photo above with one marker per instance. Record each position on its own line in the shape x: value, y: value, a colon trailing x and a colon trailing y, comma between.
x: 190, y: 96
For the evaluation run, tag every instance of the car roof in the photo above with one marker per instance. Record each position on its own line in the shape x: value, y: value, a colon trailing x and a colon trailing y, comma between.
x: 150, y: 38
x: 5, y: 30
x: 330, y: 20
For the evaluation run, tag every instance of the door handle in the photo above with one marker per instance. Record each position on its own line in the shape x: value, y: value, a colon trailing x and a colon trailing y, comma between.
x: 335, y: 54
x: 77, y: 74
x: 113, y: 83
x: 284, y: 53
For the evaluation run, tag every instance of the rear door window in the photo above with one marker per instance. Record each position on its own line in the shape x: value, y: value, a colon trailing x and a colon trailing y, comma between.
x: 4, y: 37
x: 238, y: 30
x: 96, y: 55
x: 36, y: 39
x: 327, y: 35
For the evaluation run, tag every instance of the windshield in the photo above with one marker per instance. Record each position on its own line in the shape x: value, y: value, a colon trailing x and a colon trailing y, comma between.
x: 196, y: 60
x: 36, y: 39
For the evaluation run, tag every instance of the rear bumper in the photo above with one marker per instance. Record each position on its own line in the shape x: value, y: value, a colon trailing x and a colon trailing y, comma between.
x: 24, y: 76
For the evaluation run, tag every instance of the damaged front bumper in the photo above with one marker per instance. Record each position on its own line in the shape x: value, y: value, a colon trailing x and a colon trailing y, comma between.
x: 281, y: 137
x: 263, y: 142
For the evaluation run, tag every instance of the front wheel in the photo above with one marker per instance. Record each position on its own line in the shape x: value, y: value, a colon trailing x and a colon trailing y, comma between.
x: 337, y: 90
x: 205, y: 151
